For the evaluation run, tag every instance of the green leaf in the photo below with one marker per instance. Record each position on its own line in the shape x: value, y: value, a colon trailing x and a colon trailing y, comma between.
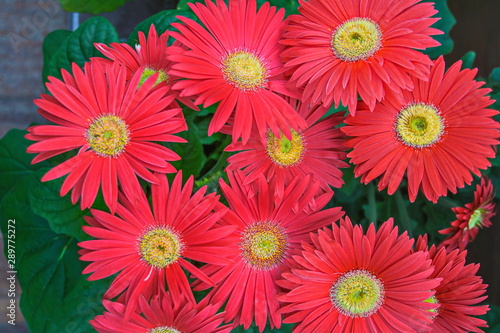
x: 51, y: 43
x: 62, y: 216
x: 446, y: 22
x: 290, y: 6
x: 48, y: 267
x: 162, y: 22
x: 495, y: 74
x: 468, y: 60
x: 79, y: 47
x: 15, y: 162
x: 91, y: 6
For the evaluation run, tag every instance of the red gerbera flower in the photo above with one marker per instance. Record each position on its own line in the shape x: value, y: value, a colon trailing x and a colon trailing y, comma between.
x: 112, y: 122
x: 163, y: 314
x: 339, y: 49
x: 438, y: 134
x: 354, y: 282
x: 148, y: 57
x: 235, y: 61
x: 317, y: 151
x: 149, y: 249
x: 458, y: 293
x: 470, y: 218
x: 270, y: 230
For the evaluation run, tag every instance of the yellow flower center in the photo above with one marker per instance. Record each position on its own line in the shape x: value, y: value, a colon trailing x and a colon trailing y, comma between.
x: 283, y: 151
x: 476, y: 219
x: 263, y: 244
x: 160, y: 247
x: 107, y: 136
x: 148, y: 72
x: 419, y: 125
x: 164, y: 329
x: 432, y: 300
x: 356, y: 39
x: 357, y: 293
x: 244, y: 70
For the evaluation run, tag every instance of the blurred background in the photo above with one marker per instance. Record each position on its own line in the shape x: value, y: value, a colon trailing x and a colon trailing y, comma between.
x: 24, y: 24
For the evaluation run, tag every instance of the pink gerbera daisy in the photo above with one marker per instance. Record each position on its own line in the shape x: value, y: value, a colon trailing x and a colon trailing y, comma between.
x: 148, y: 57
x: 270, y: 230
x: 439, y: 134
x: 112, y: 122
x: 317, y: 151
x: 339, y: 49
x: 163, y: 314
x: 458, y: 293
x: 235, y: 61
x: 471, y: 218
x: 349, y: 281
x: 149, y: 249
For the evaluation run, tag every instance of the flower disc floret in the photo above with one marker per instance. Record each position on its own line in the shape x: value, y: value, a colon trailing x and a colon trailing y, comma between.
x: 160, y: 247
x: 148, y: 72
x: 165, y: 329
x: 283, y: 151
x: 419, y: 125
x: 244, y: 70
x: 356, y: 39
x: 357, y: 293
x: 263, y: 244
x: 107, y: 135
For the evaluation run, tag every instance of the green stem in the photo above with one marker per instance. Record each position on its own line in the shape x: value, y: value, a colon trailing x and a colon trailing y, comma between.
x: 403, y: 214
x: 372, y: 204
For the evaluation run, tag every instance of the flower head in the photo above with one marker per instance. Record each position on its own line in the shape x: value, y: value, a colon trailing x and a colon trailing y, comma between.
x: 439, y: 134
x: 458, y: 293
x: 148, y: 249
x: 471, y: 218
x: 270, y: 230
x: 338, y: 50
x: 351, y: 281
x: 113, y: 124
x: 235, y: 62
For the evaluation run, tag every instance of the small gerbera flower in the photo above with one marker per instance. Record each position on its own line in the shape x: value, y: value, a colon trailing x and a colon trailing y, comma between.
x: 349, y: 281
x: 148, y: 249
x: 438, y: 134
x: 112, y: 123
x: 163, y: 314
x: 458, y: 293
x: 317, y: 151
x: 235, y: 61
x: 270, y: 230
x: 339, y: 49
x: 149, y: 57
x: 471, y: 218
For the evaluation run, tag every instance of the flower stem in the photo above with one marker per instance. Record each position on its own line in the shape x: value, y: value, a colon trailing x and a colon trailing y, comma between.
x: 372, y: 204
x: 403, y: 214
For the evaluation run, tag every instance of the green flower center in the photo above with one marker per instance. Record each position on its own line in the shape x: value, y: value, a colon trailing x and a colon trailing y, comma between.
x: 148, y: 72
x: 356, y: 39
x: 263, y: 244
x: 244, y: 70
x: 357, y: 293
x: 432, y: 300
x: 107, y: 136
x: 419, y: 125
x: 476, y: 219
x: 160, y: 247
x: 283, y: 151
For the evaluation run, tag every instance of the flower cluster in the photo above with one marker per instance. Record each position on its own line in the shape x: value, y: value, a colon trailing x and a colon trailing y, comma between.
x: 268, y: 249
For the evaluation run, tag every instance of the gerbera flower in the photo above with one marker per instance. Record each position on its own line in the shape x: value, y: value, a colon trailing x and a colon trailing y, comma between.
x: 148, y: 57
x: 349, y: 281
x: 470, y: 218
x: 458, y: 293
x: 270, y: 230
x: 112, y: 123
x: 163, y: 314
x: 149, y: 249
x: 317, y: 151
x: 235, y: 61
x: 438, y: 134
x: 339, y: 49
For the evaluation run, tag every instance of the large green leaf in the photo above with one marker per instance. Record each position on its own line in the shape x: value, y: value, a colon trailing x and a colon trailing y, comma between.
x: 15, y: 163
x: 91, y: 6
x: 48, y: 267
x: 79, y: 47
x: 446, y: 22
x: 162, y: 22
x: 51, y: 43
